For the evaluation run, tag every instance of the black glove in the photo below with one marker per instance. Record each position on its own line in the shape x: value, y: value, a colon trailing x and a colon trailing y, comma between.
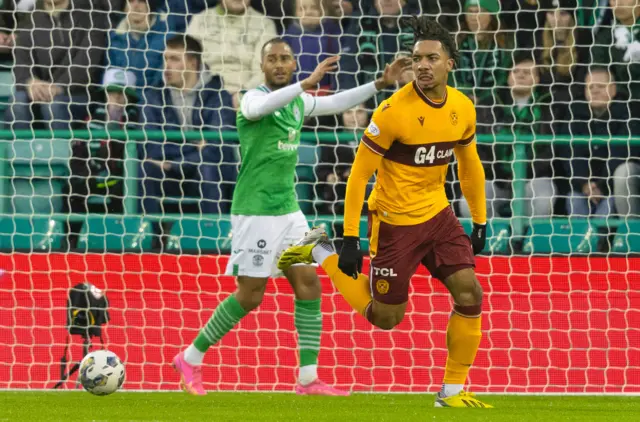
x: 350, y: 261
x: 478, y: 237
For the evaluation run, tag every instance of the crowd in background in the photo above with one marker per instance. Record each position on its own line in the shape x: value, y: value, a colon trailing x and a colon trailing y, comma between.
x: 532, y: 67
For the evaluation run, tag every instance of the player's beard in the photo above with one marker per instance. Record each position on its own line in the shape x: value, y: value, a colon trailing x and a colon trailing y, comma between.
x: 274, y: 84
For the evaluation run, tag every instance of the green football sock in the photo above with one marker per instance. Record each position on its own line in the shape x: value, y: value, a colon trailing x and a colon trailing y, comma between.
x: 224, y: 318
x: 308, y: 321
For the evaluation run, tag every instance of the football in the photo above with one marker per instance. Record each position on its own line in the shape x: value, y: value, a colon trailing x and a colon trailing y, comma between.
x: 101, y: 372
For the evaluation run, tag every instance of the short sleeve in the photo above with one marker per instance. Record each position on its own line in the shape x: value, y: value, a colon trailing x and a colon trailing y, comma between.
x: 309, y: 103
x: 470, y: 133
x: 380, y: 133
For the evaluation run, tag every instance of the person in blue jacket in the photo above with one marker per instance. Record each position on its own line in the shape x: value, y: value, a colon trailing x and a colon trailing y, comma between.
x: 137, y: 43
x: 191, y: 99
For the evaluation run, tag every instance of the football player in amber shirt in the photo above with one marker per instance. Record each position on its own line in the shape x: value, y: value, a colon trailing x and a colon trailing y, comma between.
x: 410, y: 141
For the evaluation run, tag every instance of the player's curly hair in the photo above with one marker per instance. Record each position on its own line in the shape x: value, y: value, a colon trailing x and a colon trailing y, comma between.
x: 425, y: 28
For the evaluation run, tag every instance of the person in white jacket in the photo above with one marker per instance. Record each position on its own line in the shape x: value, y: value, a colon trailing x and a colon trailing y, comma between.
x: 232, y: 35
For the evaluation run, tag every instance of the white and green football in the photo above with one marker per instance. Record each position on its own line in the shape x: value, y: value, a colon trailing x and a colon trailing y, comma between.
x: 101, y: 372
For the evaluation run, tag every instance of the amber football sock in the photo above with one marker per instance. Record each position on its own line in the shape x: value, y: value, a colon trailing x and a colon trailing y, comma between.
x: 463, y: 339
x: 355, y: 292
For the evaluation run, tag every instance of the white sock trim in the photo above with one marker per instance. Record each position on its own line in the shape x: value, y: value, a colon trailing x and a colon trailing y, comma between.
x: 308, y: 374
x: 451, y: 389
x: 193, y: 356
x: 320, y: 253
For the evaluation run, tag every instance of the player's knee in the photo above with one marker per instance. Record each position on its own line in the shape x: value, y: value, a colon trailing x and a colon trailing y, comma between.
x: 251, y: 300
x: 387, y: 321
x: 250, y: 297
x: 465, y: 288
x: 304, y: 281
x: 469, y: 294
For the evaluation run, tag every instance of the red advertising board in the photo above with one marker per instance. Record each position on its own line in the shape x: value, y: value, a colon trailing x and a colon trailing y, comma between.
x: 551, y: 324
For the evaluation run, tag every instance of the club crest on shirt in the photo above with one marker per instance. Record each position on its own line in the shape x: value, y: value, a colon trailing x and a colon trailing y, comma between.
x: 453, y: 117
x: 382, y: 286
x: 373, y: 129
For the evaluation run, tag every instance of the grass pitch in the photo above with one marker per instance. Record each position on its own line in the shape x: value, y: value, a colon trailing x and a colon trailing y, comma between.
x: 80, y: 406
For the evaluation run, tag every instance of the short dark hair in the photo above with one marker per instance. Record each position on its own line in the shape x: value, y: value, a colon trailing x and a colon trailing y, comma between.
x: 524, y: 56
x: 276, y: 40
x: 601, y: 68
x: 190, y: 45
x: 427, y: 29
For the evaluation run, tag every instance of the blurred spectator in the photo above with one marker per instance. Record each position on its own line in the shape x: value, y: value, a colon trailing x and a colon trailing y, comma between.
x: 447, y: 13
x: 312, y: 40
x: 602, y: 175
x: 560, y: 68
x: 232, y: 35
x: 9, y: 16
x: 373, y: 43
x: 523, y: 19
x: 181, y: 11
x: 138, y: 42
x: 341, y: 12
x: 619, y: 44
x: 335, y: 163
x: 485, y: 52
x: 282, y: 11
x: 192, y: 99
x: 523, y: 111
x: 58, y: 55
x: 97, y: 165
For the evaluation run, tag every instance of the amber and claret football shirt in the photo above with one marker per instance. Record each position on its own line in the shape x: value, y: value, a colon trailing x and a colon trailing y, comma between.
x: 417, y: 138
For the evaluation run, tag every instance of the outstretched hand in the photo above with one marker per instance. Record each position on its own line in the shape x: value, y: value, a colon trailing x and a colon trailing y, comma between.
x: 327, y: 65
x: 393, y: 72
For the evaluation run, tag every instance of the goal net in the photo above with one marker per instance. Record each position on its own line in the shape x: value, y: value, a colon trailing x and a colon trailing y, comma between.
x: 119, y: 157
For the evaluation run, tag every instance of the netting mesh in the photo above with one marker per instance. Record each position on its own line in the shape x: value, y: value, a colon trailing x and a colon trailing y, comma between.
x: 119, y: 158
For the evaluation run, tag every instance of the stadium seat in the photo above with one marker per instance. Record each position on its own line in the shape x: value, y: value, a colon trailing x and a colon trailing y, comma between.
x: 195, y: 235
x: 562, y: 235
x: 35, y: 196
x: 30, y: 234
x: 627, y: 239
x: 37, y: 168
x: 364, y: 228
x: 498, y: 232
x: 305, y: 194
x: 114, y: 233
x: 307, y: 160
x: 6, y: 88
x: 39, y: 157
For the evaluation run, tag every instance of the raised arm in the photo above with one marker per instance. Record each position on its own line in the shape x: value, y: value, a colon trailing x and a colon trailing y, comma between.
x: 337, y: 103
x: 256, y: 103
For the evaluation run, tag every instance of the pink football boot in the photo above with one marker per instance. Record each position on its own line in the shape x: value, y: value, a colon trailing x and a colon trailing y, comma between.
x: 190, y: 376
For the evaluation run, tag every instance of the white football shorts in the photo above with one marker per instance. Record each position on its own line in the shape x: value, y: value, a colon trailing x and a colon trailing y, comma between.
x: 258, y: 241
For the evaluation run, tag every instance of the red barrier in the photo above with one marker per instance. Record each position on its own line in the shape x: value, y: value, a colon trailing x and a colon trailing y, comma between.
x: 551, y: 325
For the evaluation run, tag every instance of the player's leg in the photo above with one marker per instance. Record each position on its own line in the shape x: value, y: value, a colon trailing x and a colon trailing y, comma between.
x: 382, y: 298
x: 464, y: 329
x: 357, y: 293
x: 451, y: 260
x: 253, y: 253
x: 307, y: 315
x: 248, y: 296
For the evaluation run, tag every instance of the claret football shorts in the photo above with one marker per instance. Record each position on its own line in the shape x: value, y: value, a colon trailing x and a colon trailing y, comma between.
x: 440, y: 244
